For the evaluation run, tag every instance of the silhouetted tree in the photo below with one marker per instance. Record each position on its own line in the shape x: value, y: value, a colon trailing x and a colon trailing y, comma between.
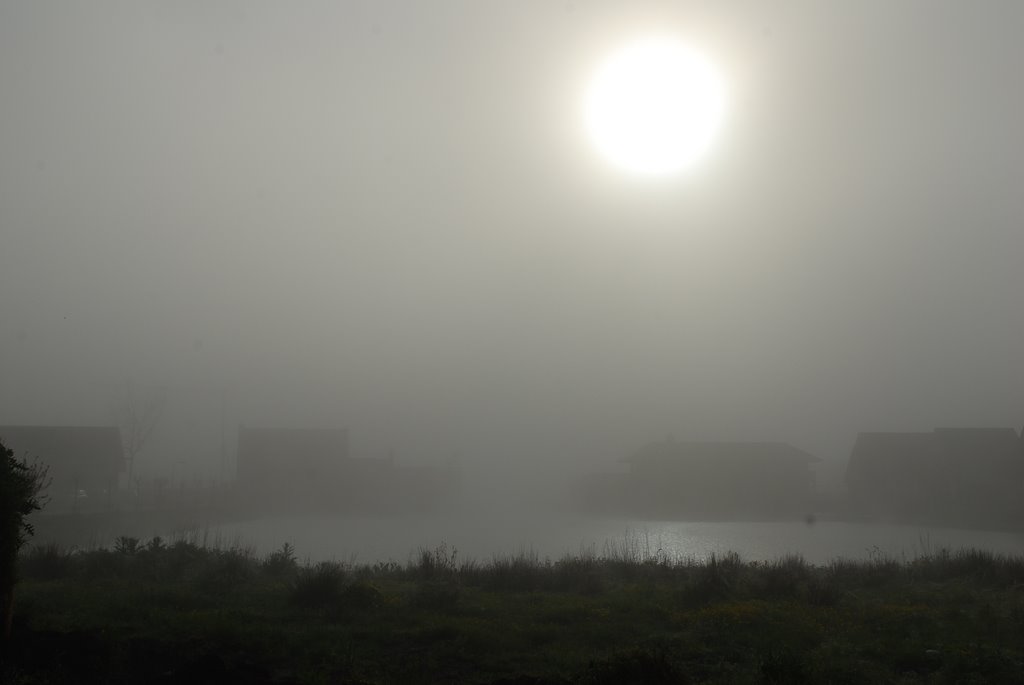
x: 137, y: 414
x: 20, y: 487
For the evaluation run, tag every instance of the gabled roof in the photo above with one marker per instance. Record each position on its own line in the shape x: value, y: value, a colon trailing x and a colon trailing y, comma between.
x: 64, y: 446
x: 671, y: 450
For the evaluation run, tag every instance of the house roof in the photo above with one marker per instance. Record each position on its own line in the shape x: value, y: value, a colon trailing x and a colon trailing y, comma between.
x: 61, y: 447
x: 671, y: 450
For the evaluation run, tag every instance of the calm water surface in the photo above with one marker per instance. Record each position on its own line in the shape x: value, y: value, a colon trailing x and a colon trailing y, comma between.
x: 483, y: 536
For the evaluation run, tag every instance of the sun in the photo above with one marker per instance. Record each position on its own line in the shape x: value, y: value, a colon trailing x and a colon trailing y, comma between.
x: 654, y: 106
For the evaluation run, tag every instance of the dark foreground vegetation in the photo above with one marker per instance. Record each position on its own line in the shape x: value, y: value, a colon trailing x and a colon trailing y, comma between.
x: 158, y: 613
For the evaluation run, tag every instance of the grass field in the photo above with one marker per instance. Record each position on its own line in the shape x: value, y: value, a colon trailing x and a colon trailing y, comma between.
x: 180, y: 612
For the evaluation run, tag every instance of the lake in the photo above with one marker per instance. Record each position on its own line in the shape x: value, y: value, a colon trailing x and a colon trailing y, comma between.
x: 482, y: 536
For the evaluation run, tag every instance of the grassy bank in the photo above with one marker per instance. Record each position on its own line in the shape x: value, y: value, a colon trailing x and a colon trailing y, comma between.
x: 158, y: 612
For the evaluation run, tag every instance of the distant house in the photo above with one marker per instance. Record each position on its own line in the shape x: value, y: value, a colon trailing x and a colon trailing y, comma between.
x: 303, y: 470
x: 709, y: 479
x: 285, y: 466
x: 949, y: 475
x: 84, y: 461
x: 894, y: 475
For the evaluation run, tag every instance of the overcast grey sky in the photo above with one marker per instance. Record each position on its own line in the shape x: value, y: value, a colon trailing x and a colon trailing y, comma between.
x: 387, y: 216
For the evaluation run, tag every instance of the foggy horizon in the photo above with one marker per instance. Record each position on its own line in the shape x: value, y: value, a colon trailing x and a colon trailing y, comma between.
x: 387, y: 218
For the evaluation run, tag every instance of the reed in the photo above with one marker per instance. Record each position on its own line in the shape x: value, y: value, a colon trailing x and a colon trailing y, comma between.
x: 199, y: 607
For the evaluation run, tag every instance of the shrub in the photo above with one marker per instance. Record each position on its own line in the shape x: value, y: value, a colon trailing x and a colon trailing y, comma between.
x: 386, y: 568
x: 281, y: 563
x: 818, y: 591
x: 361, y: 596
x: 716, y: 578
x: 868, y: 574
x: 47, y: 562
x: 318, y: 587
x: 582, y: 573
x: 103, y: 563
x: 20, y: 488
x: 519, y: 573
x: 438, y: 561
x: 223, y: 571
x: 783, y: 578
x: 127, y: 545
x: 181, y: 557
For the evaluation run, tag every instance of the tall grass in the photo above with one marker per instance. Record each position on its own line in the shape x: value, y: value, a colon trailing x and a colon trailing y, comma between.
x: 626, y: 612
x: 216, y: 565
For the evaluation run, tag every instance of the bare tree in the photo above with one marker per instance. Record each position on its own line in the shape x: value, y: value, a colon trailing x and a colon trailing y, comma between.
x: 137, y: 414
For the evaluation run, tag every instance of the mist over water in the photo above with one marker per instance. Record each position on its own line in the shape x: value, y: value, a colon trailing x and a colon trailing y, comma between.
x: 388, y: 220
x: 483, y: 537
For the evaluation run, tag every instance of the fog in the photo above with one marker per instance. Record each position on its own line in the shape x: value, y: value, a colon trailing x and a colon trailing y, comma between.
x: 386, y: 217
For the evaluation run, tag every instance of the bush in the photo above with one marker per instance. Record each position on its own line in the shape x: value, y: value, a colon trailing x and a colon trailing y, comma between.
x: 47, y: 562
x: 361, y: 596
x: 281, y: 563
x: 127, y: 545
x: 716, y: 578
x: 434, y: 562
x: 583, y: 573
x: 103, y: 563
x: 181, y: 557
x: 20, y: 485
x: 819, y: 592
x: 224, y: 571
x: 319, y: 587
x: 519, y: 573
x: 783, y: 578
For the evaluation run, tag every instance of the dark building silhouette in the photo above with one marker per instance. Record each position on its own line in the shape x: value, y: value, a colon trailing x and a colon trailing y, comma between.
x: 300, y: 469
x: 709, y: 480
x: 283, y: 467
x: 950, y: 475
x: 84, y: 462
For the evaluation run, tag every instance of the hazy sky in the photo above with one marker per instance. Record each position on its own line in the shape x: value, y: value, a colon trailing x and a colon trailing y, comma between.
x: 387, y: 216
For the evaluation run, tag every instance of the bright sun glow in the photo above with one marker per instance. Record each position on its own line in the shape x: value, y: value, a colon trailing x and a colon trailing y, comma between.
x: 654, y: 106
